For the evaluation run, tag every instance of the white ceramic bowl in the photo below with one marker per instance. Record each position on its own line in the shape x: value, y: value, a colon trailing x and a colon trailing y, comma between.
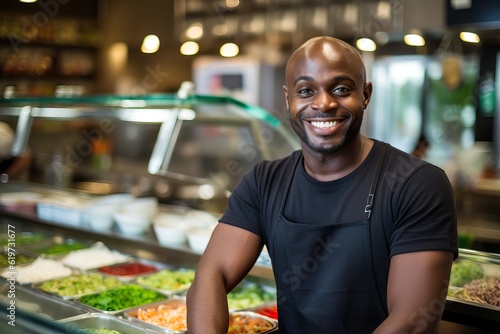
x: 201, y: 219
x: 100, y: 217
x: 143, y: 206
x: 198, y: 239
x: 132, y: 224
x: 171, y: 233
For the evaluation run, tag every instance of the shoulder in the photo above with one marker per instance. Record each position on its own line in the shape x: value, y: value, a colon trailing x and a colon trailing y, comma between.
x: 400, y: 168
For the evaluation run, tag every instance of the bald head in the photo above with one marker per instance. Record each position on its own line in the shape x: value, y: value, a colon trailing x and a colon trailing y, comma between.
x: 325, y: 49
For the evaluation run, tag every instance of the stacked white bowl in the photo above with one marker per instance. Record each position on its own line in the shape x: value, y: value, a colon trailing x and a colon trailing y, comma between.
x: 100, y: 213
x: 135, y: 217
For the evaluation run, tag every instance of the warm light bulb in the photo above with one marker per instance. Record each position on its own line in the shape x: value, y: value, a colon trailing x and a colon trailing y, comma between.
x: 414, y: 40
x: 194, y: 31
x: 469, y: 37
x: 150, y: 44
x: 229, y: 50
x: 189, y: 48
x: 232, y: 3
x: 366, y: 44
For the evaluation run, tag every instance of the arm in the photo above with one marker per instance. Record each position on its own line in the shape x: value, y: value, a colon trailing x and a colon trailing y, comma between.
x: 416, y: 292
x: 229, y: 256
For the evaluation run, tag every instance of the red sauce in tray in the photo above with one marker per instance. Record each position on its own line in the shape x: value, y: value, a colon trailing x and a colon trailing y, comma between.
x: 127, y: 269
x: 269, y: 311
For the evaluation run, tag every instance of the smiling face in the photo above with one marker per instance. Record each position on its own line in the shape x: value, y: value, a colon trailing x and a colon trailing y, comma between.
x: 326, y: 93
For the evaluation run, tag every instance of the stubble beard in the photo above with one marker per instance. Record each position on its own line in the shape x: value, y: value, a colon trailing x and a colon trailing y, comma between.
x: 347, y: 136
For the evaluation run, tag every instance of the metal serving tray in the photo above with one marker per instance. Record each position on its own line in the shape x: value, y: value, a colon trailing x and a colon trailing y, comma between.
x: 133, y: 314
x: 49, y: 247
x: 169, y: 292
x: 100, y: 321
x: 44, y: 305
x: 27, y: 258
x: 128, y: 278
x: 81, y: 277
x: 273, y: 324
x: 476, y: 268
x: 95, y: 309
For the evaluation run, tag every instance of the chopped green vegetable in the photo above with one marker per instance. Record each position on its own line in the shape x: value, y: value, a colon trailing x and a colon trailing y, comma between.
x: 168, y: 280
x: 121, y: 298
x: 464, y: 271
x: 23, y: 238
x: 62, y: 248
x: 101, y: 331
x: 17, y: 260
x: 75, y: 286
x: 245, y: 297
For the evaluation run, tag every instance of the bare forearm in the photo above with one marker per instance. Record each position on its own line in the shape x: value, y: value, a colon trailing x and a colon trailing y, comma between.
x: 207, y: 307
x: 413, y: 324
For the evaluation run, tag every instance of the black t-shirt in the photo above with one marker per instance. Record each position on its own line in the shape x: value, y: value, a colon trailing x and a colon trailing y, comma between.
x: 413, y: 208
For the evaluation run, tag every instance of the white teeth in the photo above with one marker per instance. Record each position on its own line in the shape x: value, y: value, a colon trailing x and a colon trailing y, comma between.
x: 324, y: 124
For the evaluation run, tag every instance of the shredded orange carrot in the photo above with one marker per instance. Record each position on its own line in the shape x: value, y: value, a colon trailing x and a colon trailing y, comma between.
x: 167, y: 316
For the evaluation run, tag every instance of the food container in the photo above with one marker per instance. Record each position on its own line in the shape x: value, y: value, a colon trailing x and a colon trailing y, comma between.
x: 269, y: 310
x: 100, y: 321
x: 100, y: 216
x: 132, y: 223
x: 21, y: 258
x: 475, y: 280
x: 58, y: 246
x: 30, y: 300
x: 243, y: 322
x: 76, y: 286
x: 40, y: 270
x: 121, y: 298
x: 198, y: 239
x: 168, y: 316
x: 63, y: 210
x: 20, y: 201
x: 22, y: 239
x: 249, y: 295
x: 129, y: 271
x: 168, y: 281
x: 93, y: 257
x: 170, y: 228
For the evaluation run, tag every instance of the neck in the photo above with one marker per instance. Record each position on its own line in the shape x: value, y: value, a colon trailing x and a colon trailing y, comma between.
x: 333, y: 166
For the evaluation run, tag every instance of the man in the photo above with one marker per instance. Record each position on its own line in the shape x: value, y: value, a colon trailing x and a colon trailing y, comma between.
x: 361, y: 235
x: 11, y: 167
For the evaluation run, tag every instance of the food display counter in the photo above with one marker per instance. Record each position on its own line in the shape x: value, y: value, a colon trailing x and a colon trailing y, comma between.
x: 90, y: 295
x: 471, y: 307
x: 100, y: 160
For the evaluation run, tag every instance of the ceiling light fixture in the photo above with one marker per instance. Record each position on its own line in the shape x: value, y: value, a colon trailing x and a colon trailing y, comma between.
x: 194, y: 31
x: 229, y: 50
x: 469, y: 37
x: 414, y: 40
x: 232, y: 3
x: 150, y: 44
x: 189, y: 48
x: 366, y: 44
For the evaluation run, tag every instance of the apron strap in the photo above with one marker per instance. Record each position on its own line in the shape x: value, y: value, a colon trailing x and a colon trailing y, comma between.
x: 373, y: 187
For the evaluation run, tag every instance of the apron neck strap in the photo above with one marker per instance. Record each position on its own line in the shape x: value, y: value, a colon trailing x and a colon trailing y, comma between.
x: 373, y: 186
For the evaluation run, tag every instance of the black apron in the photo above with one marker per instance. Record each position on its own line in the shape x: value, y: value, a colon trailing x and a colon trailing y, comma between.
x: 328, y: 280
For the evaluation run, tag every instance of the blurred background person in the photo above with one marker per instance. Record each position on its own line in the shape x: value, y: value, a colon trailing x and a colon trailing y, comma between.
x: 11, y: 167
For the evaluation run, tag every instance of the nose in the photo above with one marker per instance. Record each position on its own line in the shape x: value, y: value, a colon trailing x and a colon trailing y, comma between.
x: 324, y: 101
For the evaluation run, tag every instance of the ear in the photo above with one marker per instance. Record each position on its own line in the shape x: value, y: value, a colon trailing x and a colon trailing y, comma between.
x: 285, y: 90
x: 367, y: 93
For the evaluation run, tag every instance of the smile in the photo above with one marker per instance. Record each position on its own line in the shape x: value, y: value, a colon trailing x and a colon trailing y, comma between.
x: 324, y: 125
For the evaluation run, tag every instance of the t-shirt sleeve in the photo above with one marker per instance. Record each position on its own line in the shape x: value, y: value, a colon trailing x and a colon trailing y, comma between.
x: 243, y: 209
x: 425, y: 218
